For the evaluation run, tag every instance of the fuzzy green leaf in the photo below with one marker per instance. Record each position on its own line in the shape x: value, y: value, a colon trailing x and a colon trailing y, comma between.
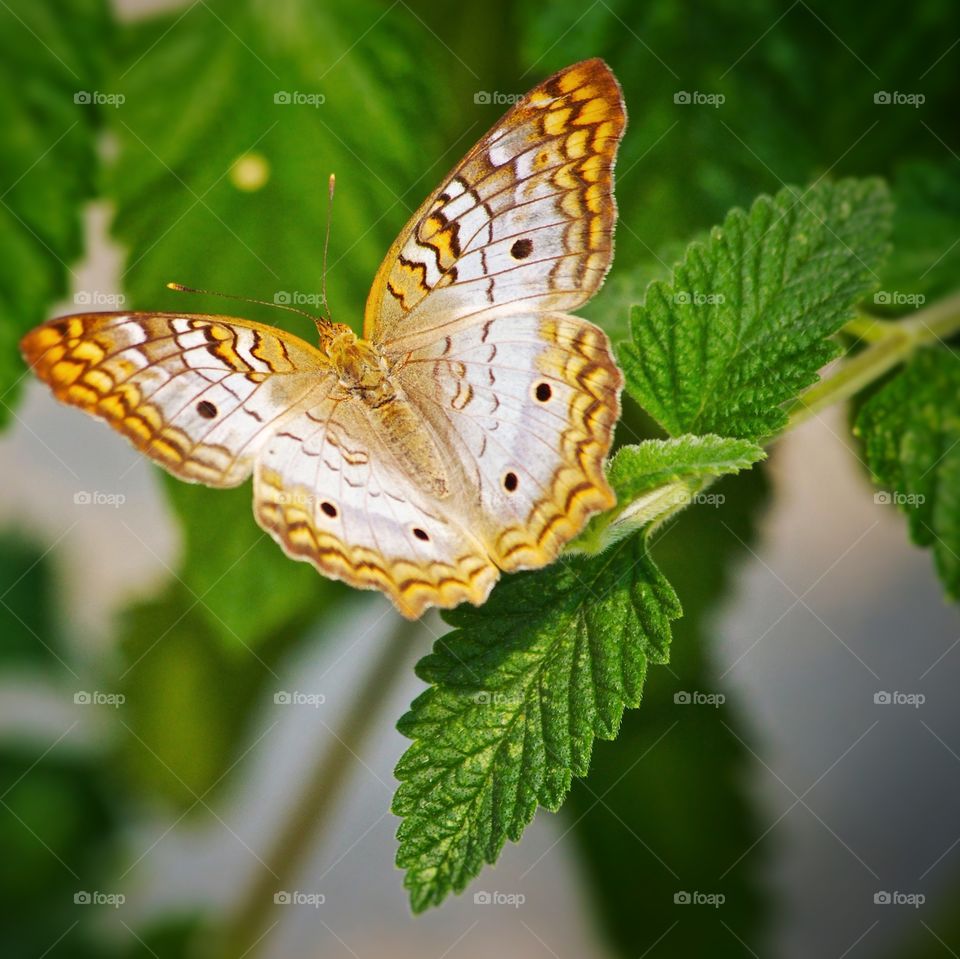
x: 678, y: 467
x: 744, y: 324
x: 911, y: 435
x: 652, y: 463
x: 519, y: 691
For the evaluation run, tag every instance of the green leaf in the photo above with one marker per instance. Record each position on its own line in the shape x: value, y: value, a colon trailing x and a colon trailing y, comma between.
x: 228, y: 190
x: 744, y: 324
x: 50, y: 51
x: 672, y: 472
x: 911, y: 436
x: 519, y: 691
x: 652, y: 463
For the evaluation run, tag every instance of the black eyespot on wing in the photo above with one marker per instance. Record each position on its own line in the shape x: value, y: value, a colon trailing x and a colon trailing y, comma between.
x: 420, y: 534
x: 329, y: 509
x: 206, y: 409
x: 543, y: 392
x: 521, y: 249
x: 510, y: 482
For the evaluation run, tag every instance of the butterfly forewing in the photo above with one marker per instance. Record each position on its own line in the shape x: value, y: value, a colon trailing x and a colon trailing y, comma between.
x: 199, y: 394
x: 526, y: 219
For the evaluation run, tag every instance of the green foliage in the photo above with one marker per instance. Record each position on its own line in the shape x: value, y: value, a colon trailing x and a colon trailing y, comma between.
x: 186, y: 212
x: 637, y: 469
x: 521, y: 689
x: 743, y: 325
x: 57, y: 811
x: 927, y: 263
x: 911, y: 436
x: 57, y: 797
x: 798, y: 84
x: 676, y: 469
x: 183, y: 673
x: 49, y: 53
x: 27, y: 624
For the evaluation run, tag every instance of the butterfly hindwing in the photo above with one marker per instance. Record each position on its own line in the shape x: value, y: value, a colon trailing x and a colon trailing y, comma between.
x: 330, y: 489
x: 529, y: 403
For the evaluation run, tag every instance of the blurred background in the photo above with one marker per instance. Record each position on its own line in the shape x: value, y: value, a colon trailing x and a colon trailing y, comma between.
x: 160, y: 733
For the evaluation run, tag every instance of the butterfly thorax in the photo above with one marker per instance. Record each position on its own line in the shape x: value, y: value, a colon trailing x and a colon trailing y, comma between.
x: 358, y: 362
x: 365, y: 375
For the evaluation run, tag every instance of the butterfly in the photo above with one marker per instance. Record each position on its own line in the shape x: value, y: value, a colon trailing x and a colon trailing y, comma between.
x: 465, y: 433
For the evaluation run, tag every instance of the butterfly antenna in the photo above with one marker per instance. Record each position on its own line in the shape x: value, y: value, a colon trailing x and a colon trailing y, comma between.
x: 180, y: 288
x: 326, y: 245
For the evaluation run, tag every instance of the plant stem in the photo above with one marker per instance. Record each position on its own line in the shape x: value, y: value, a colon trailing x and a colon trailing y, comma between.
x: 893, y: 343
x: 246, y: 931
x: 866, y: 327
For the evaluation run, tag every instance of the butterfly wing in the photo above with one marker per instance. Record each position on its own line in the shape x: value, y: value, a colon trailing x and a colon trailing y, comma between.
x: 470, y: 304
x: 213, y: 398
x: 529, y: 403
x: 525, y: 220
x: 366, y: 502
x: 198, y: 394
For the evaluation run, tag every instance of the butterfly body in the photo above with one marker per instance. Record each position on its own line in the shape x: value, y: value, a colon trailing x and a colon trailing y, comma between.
x: 464, y: 433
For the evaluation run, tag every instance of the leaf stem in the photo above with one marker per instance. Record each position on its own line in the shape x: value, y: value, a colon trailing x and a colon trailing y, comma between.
x: 892, y: 342
x: 246, y: 932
